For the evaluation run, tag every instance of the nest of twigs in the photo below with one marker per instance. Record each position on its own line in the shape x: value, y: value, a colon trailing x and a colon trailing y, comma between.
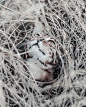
x: 63, y: 20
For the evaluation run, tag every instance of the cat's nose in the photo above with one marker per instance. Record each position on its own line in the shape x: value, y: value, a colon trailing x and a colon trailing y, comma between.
x: 44, y: 42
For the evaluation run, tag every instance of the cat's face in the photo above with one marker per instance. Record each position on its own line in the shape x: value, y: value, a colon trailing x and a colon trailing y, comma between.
x: 43, y: 49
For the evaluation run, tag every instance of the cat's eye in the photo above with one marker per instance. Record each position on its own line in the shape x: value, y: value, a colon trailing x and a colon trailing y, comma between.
x: 51, y: 42
x: 37, y: 35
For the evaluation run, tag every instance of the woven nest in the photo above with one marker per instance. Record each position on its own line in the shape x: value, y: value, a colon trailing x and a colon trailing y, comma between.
x: 62, y: 20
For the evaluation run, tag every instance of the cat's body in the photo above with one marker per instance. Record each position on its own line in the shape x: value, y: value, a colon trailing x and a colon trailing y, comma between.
x: 43, y: 58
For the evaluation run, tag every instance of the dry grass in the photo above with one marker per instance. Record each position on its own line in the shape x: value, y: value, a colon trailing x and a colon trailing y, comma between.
x: 63, y: 19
